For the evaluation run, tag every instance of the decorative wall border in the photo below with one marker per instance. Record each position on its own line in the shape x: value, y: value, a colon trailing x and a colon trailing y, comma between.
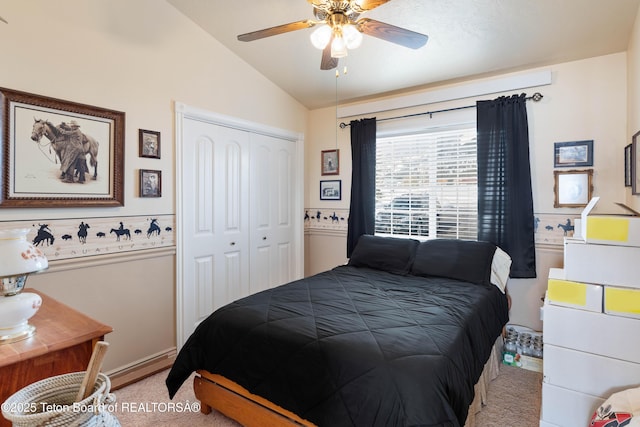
x: 325, y: 219
x: 549, y: 228
x: 82, y: 237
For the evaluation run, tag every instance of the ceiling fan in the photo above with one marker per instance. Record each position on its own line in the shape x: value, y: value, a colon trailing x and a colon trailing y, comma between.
x: 340, y: 28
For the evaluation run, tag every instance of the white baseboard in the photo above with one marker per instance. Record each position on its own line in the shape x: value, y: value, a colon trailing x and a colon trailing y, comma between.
x: 141, y: 369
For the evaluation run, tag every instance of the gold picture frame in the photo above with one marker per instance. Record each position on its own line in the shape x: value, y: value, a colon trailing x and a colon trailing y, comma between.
x: 572, y: 189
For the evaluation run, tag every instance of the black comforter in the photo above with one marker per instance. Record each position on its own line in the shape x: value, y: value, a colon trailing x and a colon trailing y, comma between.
x: 354, y: 346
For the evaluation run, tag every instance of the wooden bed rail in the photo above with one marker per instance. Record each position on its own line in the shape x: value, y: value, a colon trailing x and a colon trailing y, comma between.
x: 236, y: 402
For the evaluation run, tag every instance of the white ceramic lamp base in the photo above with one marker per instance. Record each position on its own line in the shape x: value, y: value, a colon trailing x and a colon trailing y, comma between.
x: 15, y: 312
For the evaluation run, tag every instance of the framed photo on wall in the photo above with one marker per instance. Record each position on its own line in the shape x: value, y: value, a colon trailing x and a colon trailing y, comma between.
x: 573, y: 154
x: 150, y: 183
x: 635, y: 164
x: 573, y: 188
x: 331, y: 190
x: 330, y: 162
x: 58, y: 153
x: 628, y: 179
x: 149, y: 143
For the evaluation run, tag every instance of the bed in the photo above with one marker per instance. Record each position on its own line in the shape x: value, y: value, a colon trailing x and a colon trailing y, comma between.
x: 398, y: 336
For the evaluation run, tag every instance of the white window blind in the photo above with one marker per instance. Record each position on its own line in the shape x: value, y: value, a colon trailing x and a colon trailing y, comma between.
x: 426, y: 185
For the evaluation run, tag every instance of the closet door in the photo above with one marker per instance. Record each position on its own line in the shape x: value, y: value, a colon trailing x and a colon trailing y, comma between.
x: 272, y: 212
x: 215, y: 210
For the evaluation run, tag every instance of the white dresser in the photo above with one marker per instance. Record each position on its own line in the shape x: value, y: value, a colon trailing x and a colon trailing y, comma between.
x: 587, y: 357
x: 591, y: 319
x: 591, y: 333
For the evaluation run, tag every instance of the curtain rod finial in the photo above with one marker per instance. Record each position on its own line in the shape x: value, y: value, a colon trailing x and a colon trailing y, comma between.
x: 536, y: 96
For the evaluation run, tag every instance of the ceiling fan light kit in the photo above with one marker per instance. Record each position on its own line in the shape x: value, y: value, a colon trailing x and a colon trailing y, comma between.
x: 352, y: 36
x: 321, y: 36
x: 341, y: 28
x: 338, y: 46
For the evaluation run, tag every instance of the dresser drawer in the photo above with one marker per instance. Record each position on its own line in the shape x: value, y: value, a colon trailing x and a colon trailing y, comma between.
x: 588, y: 373
x: 596, y: 333
x: 601, y: 264
x: 567, y: 408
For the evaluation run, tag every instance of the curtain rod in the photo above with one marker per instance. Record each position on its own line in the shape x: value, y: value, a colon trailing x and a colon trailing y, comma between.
x: 535, y: 97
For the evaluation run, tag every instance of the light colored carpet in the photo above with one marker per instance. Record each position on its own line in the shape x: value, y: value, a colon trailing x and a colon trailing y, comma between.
x: 513, y: 400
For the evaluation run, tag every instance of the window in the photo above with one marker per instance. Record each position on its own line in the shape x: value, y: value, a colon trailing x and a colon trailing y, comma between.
x: 426, y: 185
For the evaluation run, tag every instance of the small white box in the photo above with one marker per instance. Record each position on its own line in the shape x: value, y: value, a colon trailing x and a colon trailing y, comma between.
x: 610, y: 229
x: 567, y: 293
x: 567, y: 408
x: 601, y: 264
x: 622, y: 301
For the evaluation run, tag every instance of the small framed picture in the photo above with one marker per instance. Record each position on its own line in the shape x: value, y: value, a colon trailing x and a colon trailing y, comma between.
x: 330, y: 162
x: 573, y: 188
x: 635, y: 164
x: 628, y: 179
x: 331, y: 190
x: 149, y: 143
x: 150, y: 183
x: 573, y: 154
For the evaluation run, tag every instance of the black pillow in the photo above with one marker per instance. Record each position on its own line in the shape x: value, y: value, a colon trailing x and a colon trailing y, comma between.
x: 390, y: 254
x: 465, y: 260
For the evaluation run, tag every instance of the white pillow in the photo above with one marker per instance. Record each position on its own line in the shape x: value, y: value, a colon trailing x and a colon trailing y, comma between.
x: 500, y: 267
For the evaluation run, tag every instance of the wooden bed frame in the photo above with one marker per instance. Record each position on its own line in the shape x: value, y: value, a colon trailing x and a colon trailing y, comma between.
x: 236, y: 402
x: 225, y: 396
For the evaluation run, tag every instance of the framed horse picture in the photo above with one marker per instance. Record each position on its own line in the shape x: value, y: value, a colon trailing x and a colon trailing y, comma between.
x: 57, y: 153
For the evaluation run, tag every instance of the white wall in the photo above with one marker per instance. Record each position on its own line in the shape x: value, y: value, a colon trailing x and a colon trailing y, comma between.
x: 138, y: 57
x: 586, y: 100
x: 633, y: 99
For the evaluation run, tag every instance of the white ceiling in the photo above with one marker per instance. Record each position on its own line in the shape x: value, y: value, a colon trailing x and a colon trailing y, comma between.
x: 466, y: 38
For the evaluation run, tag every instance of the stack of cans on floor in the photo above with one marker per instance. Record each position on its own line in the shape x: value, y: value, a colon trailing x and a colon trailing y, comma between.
x: 522, y: 348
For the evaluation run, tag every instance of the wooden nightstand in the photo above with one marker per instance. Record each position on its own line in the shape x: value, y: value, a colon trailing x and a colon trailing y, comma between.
x: 63, y: 343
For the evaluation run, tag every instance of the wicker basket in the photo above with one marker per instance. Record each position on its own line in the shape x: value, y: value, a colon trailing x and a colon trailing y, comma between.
x: 51, y: 402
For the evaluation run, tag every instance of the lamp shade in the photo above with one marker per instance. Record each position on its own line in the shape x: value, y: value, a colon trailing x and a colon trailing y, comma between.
x: 352, y: 37
x: 17, y: 255
x: 338, y: 47
x: 320, y: 36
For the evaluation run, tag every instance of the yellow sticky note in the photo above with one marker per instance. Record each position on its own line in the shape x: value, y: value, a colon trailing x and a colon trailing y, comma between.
x: 622, y: 300
x: 568, y: 292
x: 608, y: 228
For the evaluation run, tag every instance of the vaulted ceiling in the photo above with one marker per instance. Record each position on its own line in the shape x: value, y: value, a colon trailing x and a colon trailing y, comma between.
x: 467, y: 38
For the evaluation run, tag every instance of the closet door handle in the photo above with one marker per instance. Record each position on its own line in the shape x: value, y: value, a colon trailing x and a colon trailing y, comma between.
x: 232, y: 243
x: 264, y: 237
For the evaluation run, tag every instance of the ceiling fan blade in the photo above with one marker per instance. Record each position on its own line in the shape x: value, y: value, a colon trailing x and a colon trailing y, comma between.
x: 391, y: 33
x: 3, y: 20
x: 328, y: 62
x: 268, y: 32
x: 362, y: 5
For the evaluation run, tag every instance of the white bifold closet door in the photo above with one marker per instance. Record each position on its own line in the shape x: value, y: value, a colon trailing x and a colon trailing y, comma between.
x: 270, y: 214
x: 237, y: 213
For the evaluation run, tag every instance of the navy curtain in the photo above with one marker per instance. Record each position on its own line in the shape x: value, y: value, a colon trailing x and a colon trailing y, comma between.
x: 363, y: 181
x: 505, y: 202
